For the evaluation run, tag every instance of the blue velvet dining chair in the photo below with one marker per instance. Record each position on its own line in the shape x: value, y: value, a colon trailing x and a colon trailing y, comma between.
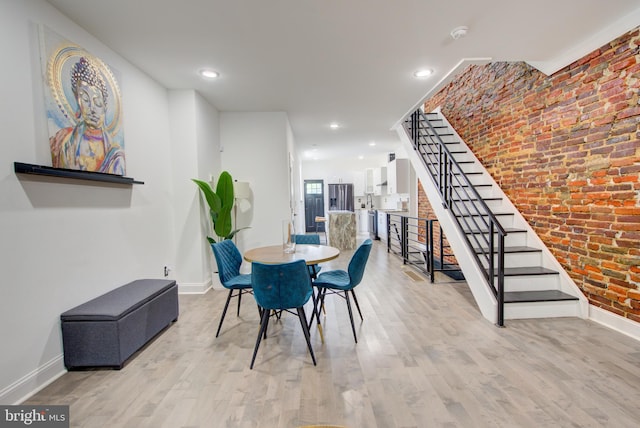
x: 281, y: 287
x: 309, y: 240
x: 341, y: 282
x: 229, y: 259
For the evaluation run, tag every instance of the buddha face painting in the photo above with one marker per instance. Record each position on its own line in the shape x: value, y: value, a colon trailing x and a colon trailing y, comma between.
x: 92, y: 106
x: 83, y: 109
x: 91, y: 94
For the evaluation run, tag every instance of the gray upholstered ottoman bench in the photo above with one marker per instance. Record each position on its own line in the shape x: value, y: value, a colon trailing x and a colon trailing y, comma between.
x: 106, y: 331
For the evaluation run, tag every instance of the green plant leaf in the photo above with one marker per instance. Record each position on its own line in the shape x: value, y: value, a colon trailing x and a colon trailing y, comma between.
x: 213, y: 200
x: 233, y: 232
x: 223, y: 223
x: 224, y: 189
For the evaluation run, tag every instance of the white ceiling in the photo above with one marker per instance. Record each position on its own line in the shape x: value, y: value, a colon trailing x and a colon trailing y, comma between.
x: 349, y: 61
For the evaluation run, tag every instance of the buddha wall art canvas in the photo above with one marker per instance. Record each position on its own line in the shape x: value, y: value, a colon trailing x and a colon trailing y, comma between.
x: 83, y: 106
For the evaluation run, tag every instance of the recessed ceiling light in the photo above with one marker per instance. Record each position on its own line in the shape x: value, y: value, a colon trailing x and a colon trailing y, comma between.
x: 373, y: 143
x: 334, y: 125
x: 209, y: 74
x: 423, y: 73
x: 360, y: 157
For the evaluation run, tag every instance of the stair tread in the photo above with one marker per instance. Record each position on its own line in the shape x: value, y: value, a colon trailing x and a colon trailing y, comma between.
x: 537, y: 296
x: 446, y: 134
x: 482, y: 215
x: 506, y: 229
x: 475, y: 185
x: 497, y: 198
x: 514, y: 249
x: 453, y: 152
x: 527, y: 271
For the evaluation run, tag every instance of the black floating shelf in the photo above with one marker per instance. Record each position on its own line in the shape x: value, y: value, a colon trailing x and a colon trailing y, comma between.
x: 27, y: 168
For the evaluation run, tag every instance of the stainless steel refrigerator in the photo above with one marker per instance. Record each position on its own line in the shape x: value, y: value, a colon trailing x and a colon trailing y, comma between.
x: 341, y: 197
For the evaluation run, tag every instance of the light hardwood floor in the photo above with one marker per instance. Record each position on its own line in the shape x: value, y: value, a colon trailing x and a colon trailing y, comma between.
x: 425, y: 358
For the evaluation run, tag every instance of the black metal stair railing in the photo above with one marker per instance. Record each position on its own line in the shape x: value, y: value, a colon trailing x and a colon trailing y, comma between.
x: 420, y: 245
x: 483, y: 233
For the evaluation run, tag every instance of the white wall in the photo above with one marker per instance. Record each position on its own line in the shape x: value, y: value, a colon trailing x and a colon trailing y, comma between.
x: 254, y: 149
x: 65, y: 242
x: 195, y: 153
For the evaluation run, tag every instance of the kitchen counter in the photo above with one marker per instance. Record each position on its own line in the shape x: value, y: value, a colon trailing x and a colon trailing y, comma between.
x: 342, y: 229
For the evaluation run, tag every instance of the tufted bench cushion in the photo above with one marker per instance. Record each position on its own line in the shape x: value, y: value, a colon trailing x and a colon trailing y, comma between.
x: 107, y: 330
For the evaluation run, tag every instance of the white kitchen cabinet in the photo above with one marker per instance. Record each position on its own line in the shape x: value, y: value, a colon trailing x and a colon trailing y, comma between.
x: 398, y: 176
x: 379, y: 180
x: 382, y: 225
x: 368, y: 180
x: 363, y: 221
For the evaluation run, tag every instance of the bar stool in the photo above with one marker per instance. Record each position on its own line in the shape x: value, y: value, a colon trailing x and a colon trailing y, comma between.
x: 322, y: 220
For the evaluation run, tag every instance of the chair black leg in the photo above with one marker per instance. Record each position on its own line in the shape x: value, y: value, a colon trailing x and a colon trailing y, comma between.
x: 239, y: 300
x: 305, y: 329
x: 266, y: 326
x: 353, y: 327
x: 321, y: 293
x: 259, y: 311
x: 263, y: 329
x: 353, y: 293
x: 224, y: 311
x: 314, y: 299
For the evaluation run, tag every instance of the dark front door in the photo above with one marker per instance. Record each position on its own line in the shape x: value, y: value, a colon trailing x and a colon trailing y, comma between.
x: 313, y: 204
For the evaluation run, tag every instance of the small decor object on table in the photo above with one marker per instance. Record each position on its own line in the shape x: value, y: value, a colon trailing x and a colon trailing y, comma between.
x: 288, y: 237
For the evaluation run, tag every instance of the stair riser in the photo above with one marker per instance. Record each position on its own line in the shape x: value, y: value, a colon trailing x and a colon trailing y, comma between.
x: 494, y: 205
x: 512, y: 260
x: 447, y: 139
x: 531, y: 283
x: 515, y: 239
x: 470, y: 223
x: 569, y: 308
x: 474, y: 179
x: 511, y: 240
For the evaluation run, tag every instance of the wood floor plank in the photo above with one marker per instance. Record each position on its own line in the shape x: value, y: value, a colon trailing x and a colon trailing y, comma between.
x: 425, y: 357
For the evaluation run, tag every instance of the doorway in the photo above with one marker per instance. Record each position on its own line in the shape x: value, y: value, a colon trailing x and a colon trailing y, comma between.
x: 313, y: 205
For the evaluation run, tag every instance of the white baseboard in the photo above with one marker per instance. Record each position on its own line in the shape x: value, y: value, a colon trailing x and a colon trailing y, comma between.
x: 194, y: 288
x: 28, y: 385
x: 615, y: 322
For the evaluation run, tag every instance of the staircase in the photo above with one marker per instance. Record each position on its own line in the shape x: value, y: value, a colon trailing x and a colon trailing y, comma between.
x: 509, y: 270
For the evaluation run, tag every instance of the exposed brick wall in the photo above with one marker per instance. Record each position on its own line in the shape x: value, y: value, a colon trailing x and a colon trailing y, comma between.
x: 566, y: 150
